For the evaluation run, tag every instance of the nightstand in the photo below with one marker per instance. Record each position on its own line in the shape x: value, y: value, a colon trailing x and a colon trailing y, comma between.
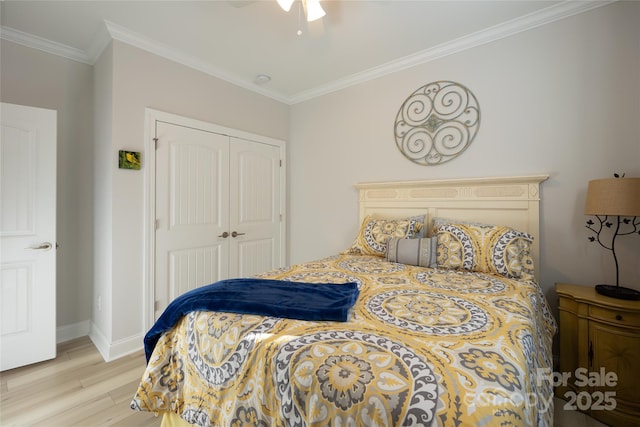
x: 599, y: 355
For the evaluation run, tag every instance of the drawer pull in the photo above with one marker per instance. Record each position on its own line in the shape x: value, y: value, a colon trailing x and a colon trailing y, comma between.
x: 618, y: 316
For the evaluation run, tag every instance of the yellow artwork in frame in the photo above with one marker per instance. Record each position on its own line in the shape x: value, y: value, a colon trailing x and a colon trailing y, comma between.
x: 129, y: 160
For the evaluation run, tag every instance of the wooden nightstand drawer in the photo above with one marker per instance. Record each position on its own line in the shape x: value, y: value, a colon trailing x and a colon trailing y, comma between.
x: 621, y: 318
x: 600, y: 335
x: 568, y: 304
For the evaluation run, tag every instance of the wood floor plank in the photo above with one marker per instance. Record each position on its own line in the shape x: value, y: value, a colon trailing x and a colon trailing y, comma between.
x: 46, y: 369
x: 73, y: 347
x: 131, y: 366
x: 125, y: 393
x: 73, y: 399
x: 75, y: 388
x: 73, y: 416
x: 45, y: 382
x: 21, y: 401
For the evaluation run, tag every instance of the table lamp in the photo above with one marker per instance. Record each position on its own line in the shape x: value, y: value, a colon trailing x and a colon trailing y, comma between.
x: 618, y: 198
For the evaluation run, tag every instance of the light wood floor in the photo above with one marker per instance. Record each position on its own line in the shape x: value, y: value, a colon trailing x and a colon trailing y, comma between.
x: 79, y: 389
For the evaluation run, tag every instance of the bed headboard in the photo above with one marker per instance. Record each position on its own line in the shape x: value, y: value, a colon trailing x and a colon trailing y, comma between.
x: 511, y: 201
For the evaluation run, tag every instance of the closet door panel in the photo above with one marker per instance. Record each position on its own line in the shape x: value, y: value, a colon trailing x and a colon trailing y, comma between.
x: 192, y: 196
x: 254, y: 191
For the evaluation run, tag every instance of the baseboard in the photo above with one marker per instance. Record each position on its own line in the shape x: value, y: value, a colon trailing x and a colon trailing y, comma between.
x: 126, y: 346
x: 100, y: 341
x: 117, y: 349
x: 71, y: 332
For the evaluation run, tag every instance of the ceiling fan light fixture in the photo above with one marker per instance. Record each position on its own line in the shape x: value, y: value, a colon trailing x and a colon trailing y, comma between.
x: 285, y: 4
x: 313, y: 9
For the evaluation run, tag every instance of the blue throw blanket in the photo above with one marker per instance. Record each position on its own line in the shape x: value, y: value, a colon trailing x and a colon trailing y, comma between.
x: 265, y: 297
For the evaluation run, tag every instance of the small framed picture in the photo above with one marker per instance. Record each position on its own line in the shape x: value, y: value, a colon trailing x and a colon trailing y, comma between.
x: 129, y: 159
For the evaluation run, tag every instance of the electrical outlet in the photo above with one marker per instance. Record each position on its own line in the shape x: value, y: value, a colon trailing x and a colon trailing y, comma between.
x: 99, y: 303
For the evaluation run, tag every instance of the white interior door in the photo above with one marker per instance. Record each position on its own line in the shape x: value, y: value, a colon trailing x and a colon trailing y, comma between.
x: 192, y: 215
x: 254, y: 208
x: 28, y: 235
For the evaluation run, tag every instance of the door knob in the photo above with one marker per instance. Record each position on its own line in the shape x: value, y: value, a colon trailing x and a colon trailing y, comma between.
x: 224, y: 235
x: 42, y: 247
x: 236, y: 234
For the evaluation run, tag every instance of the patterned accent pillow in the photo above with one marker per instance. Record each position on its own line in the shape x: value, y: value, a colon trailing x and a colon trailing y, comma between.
x: 484, y: 248
x: 374, y: 234
x: 420, y: 252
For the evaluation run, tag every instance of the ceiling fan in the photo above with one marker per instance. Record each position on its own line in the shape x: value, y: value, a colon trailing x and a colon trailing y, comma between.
x: 312, y: 8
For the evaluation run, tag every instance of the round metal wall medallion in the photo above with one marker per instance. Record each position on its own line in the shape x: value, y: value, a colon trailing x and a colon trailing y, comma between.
x: 437, y: 122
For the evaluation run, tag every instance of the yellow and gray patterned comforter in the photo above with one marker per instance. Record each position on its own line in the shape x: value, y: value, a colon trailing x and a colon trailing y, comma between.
x: 422, y: 347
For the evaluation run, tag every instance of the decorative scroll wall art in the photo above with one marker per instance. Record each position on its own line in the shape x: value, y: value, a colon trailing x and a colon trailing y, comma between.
x: 437, y: 122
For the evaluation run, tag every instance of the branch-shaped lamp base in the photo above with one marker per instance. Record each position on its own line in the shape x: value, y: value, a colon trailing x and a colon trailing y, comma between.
x: 620, y: 198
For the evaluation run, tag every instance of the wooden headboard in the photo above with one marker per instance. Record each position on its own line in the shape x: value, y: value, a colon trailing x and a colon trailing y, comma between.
x: 511, y: 201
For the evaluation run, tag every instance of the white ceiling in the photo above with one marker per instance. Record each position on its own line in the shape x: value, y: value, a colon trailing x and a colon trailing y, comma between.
x: 236, y: 40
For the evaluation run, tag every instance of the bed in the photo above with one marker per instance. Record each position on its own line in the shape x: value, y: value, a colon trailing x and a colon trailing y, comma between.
x: 450, y: 326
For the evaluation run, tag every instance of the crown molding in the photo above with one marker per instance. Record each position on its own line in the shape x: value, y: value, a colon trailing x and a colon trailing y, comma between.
x: 497, y: 32
x: 45, y: 45
x: 112, y: 31
x: 127, y: 36
x: 100, y: 42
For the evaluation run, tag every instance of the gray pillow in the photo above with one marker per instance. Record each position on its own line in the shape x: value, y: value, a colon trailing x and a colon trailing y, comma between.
x: 420, y: 252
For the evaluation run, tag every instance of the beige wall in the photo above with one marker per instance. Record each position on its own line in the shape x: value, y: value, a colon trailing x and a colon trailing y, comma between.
x: 562, y: 99
x: 102, y: 302
x: 31, y: 77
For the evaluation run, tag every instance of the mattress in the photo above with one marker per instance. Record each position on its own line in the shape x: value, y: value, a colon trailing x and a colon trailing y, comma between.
x: 422, y: 346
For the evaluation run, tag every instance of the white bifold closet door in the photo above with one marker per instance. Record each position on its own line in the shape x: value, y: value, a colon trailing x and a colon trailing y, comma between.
x: 217, y: 209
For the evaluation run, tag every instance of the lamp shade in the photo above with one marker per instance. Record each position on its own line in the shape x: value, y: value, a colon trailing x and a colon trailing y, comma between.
x: 613, y: 196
